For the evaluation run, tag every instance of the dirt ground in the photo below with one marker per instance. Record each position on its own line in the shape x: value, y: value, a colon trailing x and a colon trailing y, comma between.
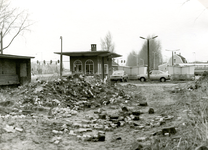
x: 84, y: 129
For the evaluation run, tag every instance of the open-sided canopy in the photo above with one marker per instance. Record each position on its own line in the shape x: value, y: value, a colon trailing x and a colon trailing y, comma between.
x: 90, y: 53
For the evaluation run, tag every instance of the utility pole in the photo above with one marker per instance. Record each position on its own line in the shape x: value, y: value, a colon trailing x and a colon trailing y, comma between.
x: 61, y: 58
x: 172, y: 54
x: 172, y: 61
x: 1, y: 43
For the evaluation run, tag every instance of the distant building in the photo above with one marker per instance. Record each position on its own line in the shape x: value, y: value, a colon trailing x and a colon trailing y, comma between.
x: 177, y: 59
x: 91, y: 62
x: 120, y: 61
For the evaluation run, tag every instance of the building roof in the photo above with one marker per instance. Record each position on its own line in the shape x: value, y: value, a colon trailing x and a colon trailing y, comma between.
x: 90, y: 53
x: 183, y: 59
x: 7, y: 56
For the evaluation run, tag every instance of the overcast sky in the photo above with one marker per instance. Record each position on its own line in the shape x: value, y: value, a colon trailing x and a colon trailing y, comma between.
x: 84, y: 22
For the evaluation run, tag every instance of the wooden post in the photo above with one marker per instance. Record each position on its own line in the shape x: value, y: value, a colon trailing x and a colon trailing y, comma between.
x: 103, y: 69
x: 1, y: 43
x: 61, y: 59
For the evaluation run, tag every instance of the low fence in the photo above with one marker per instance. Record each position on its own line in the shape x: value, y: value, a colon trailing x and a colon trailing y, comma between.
x: 181, y: 72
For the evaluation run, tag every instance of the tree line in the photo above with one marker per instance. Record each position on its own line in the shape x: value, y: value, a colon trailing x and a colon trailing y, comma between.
x: 138, y: 58
x: 141, y: 58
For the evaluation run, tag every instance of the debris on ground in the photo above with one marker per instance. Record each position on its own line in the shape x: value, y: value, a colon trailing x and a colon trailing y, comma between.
x: 51, y: 109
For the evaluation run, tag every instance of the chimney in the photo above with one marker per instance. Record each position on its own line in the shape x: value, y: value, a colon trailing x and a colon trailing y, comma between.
x: 93, y: 47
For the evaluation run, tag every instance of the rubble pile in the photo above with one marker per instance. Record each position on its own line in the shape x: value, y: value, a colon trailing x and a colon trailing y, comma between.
x: 95, y: 126
x: 74, y: 93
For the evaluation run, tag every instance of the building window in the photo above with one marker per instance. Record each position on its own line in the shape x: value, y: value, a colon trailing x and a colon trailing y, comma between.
x: 89, y: 67
x: 106, y: 68
x: 78, y: 66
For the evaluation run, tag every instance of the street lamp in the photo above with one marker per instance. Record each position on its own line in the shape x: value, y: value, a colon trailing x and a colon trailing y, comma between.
x: 148, y: 60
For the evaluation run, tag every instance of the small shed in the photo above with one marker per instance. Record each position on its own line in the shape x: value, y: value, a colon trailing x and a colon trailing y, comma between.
x: 14, y: 69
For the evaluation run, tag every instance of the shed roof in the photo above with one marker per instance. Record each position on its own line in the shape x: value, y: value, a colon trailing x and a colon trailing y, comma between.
x: 14, y: 56
x: 90, y: 53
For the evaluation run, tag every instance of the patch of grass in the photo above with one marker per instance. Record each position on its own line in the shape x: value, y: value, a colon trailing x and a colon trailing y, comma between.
x: 192, y: 130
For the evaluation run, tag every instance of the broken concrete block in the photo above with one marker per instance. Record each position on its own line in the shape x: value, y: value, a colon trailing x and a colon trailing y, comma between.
x: 102, y: 116
x: 143, y: 104
x: 9, y: 129
x: 55, y: 131
x: 170, y: 130
x: 71, y: 132
x: 141, y: 139
x: 136, y: 112
x: 86, y: 137
x: 18, y: 129
x: 136, y: 118
x: 125, y: 109
x: 114, y: 117
x: 151, y: 111
x: 101, y: 137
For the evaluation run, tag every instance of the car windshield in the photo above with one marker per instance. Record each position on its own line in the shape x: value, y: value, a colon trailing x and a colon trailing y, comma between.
x: 118, y: 73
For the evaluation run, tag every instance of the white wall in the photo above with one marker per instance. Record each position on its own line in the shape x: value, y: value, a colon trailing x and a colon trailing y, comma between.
x: 178, y: 72
x: 177, y: 58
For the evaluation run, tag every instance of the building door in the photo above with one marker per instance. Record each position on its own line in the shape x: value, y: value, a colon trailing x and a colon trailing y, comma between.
x: 77, y: 66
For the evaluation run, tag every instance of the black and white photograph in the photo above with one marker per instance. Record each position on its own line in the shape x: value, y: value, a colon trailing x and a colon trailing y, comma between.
x: 103, y: 75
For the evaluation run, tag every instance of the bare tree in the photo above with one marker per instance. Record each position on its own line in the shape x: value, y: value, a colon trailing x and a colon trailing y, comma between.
x: 132, y: 59
x: 107, y: 44
x: 13, y: 22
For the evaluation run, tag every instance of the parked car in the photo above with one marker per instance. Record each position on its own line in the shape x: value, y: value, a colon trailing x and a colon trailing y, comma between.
x: 155, y: 75
x: 119, y: 75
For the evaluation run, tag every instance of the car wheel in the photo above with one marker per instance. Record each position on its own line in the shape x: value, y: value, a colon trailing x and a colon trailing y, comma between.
x: 122, y: 80
x: 142, y: 79
x: 162, y: 80
x: 126, y: 80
